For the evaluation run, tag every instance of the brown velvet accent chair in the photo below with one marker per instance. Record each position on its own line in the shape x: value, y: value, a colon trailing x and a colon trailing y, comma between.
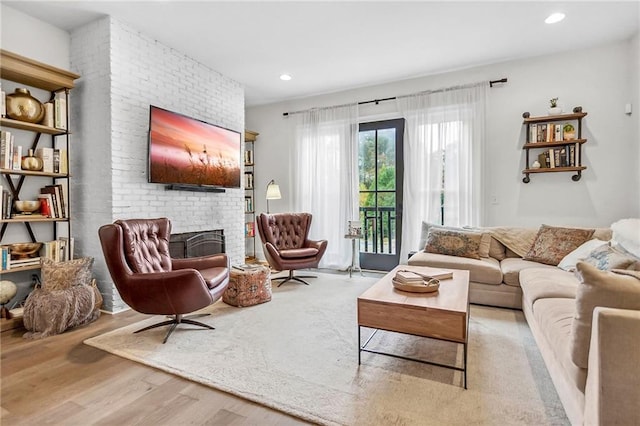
x: 151, y: 282
x: 286, y: 244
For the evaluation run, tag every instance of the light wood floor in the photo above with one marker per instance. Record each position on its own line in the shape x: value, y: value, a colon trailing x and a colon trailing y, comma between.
x: 59, y: 380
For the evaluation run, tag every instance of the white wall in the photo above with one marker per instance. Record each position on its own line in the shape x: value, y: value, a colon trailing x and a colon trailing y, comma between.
x: 55, y: 51
x: 599, y: 79
x: 124, y: 72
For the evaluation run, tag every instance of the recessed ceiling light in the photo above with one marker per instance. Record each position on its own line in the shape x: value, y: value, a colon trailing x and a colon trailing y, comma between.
x: 554, y: 17
x: 285, y: 77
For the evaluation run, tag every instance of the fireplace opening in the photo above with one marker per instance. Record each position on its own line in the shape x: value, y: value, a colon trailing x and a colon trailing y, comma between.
x: 194, y: 244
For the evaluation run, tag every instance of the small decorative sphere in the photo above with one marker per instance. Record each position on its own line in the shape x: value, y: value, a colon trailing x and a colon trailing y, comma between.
x: 7, y: 290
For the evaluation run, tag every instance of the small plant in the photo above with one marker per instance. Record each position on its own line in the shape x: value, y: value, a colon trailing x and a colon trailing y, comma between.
x: 568, y: 128
x: 553, y: 102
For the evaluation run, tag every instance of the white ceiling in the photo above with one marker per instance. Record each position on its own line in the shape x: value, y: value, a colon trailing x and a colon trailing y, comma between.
x: 333, y: 46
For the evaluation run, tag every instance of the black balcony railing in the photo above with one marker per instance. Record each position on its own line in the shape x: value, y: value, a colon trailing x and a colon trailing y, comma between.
x: 379, y: 230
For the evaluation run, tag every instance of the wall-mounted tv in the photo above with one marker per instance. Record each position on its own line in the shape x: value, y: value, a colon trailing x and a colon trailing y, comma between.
x: 186, y: 151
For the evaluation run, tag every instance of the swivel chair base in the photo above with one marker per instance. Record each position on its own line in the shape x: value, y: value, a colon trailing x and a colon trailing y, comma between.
x: 291, y: 277
x: 174, y: 321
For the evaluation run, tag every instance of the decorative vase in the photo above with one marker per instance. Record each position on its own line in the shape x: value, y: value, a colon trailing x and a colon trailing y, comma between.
x: 535, y: 165
x: 555, y: 110
x: 24, y: 107
x: 30, y: 162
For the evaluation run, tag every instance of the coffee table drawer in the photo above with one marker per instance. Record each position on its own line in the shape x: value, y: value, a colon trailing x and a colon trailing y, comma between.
x: 420, y: 321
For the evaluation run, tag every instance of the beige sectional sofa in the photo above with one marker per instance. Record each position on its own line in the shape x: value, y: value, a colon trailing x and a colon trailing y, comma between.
x: 607, y: 389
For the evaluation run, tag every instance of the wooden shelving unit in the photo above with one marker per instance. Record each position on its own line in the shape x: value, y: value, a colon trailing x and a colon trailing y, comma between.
x: 249, y: 194
x: 576, y: 143
x: 34, y: 74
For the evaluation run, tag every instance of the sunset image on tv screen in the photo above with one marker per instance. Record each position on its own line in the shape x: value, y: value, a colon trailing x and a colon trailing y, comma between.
x: 189, y: 151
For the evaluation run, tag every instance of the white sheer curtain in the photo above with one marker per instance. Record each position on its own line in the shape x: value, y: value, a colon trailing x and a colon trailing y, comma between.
x: 443, y: 157
x: 326, y: 176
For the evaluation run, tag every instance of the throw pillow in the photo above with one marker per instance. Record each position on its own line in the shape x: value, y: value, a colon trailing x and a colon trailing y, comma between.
x: 454, y: 242
x: 568, y: 263
x: 606, y: 258
x: 552, y: 243
x: 485, y: 244
x: 63, y: 275
x: 626, y: 235
x: 599, y: 288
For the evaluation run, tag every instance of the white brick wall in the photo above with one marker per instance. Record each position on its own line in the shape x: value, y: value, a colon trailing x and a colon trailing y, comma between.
x: 123, y: 72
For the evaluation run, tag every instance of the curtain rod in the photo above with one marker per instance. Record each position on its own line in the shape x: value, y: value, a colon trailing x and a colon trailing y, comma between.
x: 377, y: 101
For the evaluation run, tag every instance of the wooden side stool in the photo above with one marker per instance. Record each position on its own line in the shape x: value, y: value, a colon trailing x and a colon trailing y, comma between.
x: 248, y: 286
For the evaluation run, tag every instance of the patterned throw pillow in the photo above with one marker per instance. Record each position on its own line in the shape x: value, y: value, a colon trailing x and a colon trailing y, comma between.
x: 62, y: 275
x: 552, y: 243
x: 454, y: 242
x: 606, y: 258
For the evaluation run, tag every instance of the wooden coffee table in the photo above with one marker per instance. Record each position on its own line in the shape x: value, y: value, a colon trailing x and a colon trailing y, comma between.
x: 442, y: 315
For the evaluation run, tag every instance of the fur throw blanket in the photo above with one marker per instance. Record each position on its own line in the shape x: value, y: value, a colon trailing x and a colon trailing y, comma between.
x: 52, y: 312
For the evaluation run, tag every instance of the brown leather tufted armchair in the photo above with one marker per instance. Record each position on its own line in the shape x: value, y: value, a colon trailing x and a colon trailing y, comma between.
x: 151, y: 282
x: 286, y: 245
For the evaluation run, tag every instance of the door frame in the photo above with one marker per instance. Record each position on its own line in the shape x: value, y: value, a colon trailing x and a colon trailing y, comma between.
x: 383, y: 261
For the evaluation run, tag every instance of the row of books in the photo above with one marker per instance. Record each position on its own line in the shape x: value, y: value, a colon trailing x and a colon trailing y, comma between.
x: 57, y: 250
x: 248, y: 157
x: 248, y: 204
x: 250, y: 229
x: 546, y: 132
x: 558, y: 157
x: 248, y: 180
x: 54, y: 160
x: 53, y: 204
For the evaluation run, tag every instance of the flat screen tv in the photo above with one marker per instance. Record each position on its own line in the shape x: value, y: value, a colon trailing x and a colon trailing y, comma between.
x: 186, y: 151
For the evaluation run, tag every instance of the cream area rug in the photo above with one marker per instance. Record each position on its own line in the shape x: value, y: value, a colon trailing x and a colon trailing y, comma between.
x: 299, y: 354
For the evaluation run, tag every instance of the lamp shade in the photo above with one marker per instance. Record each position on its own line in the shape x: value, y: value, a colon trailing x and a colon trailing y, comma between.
x: 273, y: 191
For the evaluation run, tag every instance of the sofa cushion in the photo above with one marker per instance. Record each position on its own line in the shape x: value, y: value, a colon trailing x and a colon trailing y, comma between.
x: 554, y: 317
x: 599, y: 288
x: 606, y: 258
x: 496, y: 249
x: 485, y: 270
x: 553, y: 243
x: 568, y: 263
x: 511, y: 267
x: 458, y: 242
x: 541, y: 283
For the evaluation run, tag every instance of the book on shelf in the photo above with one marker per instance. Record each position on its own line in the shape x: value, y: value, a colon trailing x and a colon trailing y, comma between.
x: 64, y: 161
x: 16, y: 162
x: 55, y: 204
x: 542, y: 133
x: 56, y: 160
x: 17, y: 263
x: 7, y: 204
x: 572, y: 155
x: 543, y: 159
x: 6, y: 149
x: 552, y: 161
x: 4, y: 258
x: 249, y: 229
x: 533, y: 132
x: 46, y: 155
x: 48, y: 114
x: 558, y: 133
x: 60, y: 111
x: 36, y: 215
